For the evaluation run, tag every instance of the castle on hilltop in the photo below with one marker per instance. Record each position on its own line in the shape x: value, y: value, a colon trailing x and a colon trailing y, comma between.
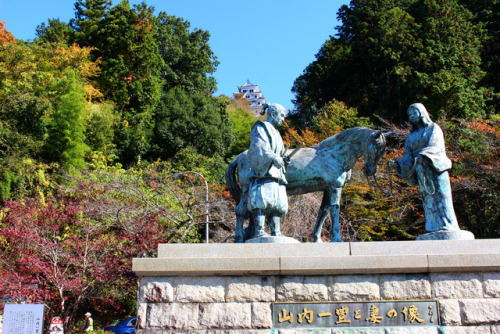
x: 253, y: 94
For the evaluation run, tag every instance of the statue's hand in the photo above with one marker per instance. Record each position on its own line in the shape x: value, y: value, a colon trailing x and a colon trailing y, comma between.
x: 278, y: 162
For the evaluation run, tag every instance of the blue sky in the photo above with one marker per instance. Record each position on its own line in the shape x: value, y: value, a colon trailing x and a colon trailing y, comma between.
x: 269, y: 42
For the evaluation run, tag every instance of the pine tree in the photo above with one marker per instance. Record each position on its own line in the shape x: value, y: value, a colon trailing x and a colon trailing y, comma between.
x: 54, y: 31
x: 88, y: 22
x: 130, y: 74
x: 390, y: 53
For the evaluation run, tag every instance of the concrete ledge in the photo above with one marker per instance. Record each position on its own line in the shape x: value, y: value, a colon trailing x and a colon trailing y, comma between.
x: 353, y: 265
x: 206, y: 266
x: 322, y: 259
x: 464, y: 262
x: 252, y: 250
x: 427, y: 247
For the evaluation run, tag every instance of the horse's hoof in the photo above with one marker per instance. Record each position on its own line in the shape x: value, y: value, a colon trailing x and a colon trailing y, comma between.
x: 238, y: 239
x: 336, y: 239
x: 318, y: 240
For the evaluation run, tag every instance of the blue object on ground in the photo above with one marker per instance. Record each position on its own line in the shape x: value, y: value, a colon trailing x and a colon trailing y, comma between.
x: 122, y: 327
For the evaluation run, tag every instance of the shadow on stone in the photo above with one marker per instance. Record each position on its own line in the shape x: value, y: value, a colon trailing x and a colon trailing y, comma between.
x: 271, y: 239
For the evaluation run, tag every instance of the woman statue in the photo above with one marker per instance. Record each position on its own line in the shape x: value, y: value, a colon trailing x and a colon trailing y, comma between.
x: 424, y: 163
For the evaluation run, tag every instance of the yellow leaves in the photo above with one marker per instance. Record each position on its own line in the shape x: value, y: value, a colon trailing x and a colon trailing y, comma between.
x: 91, y: 93
x: 333, y: 118
x: 39, y: 69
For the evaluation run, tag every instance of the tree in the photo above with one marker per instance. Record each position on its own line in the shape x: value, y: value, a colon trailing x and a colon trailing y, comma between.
x: 65, y: 141
x: 130, y: 75
x: 75, y: 252
x: 88, y: 22
x: 388, y: 54
x: 486, y: 13
x: 62, y: 254
x: 242, y: 120
x: 123, y: 40
x: 188, y: 59
x: 194, y: 119
x: 32, y: 81
x: 54, y: 31
x: 5, y: 35
x: 447, y: 72
x: 321, y: 82
x: 100, y: 129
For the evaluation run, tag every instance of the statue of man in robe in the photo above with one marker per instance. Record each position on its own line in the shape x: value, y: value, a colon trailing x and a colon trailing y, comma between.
x: 267, y: 192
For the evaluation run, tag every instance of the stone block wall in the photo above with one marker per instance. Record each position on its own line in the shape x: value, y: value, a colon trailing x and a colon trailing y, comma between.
x: 231, y: 288
x: 469, y: 302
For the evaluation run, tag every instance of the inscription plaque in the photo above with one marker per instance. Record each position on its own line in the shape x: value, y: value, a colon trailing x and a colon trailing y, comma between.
x: 23, y: 319
x: 356, y: 314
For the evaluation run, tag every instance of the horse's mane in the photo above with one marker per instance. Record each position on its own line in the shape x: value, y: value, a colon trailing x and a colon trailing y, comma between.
x: 358, y: 134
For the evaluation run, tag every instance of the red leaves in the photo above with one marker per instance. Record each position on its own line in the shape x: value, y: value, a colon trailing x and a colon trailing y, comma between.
x: 64, y: 253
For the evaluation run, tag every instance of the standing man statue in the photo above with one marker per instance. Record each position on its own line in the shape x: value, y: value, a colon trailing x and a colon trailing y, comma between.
x: 267, y: 192
x: 424, y: 163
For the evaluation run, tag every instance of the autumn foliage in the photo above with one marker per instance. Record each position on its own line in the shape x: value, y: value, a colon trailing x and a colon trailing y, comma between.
x: 5, y: 36
x: 98, y: 113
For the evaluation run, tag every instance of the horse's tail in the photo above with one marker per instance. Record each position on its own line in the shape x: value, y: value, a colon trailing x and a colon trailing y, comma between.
x: 231, y: 181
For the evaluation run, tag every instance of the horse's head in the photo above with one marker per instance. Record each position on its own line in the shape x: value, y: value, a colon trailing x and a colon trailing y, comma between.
x: 374, y: 149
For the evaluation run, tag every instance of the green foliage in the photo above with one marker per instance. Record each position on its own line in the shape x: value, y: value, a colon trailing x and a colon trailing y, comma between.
x: 242, y: 120
x: 100, y: 130
x: 20, y: 177
x: 88, y: 23
x: 389, y: 54
x: 486, y: 13
x: 123, y: 40
x: 336, y: 117
x: 66, y: 127
x: 188, y: 59
x: 212, y: 169
x: 195, y: 119
x: 333, y: 118
x: 54, y: 31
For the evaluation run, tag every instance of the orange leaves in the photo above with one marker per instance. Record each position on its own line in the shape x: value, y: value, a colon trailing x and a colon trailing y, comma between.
x: 5, y: 35
x: 484, y: 126
x: 294, y: 137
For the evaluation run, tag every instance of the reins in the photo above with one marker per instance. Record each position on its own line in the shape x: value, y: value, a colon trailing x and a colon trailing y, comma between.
x: 410, y: 173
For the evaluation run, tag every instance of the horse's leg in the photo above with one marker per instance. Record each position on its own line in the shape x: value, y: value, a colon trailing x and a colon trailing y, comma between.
x: 322, y: 214
x: 241, y: 214
x: 238, y: 236
x: 334, y: 211
x: 249, y: 231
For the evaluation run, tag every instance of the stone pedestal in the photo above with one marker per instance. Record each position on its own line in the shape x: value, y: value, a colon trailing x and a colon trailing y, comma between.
x: 232, y: 288
x: 447, y: 235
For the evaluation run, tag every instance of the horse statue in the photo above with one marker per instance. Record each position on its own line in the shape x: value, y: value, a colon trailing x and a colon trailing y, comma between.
x: 325, y: 167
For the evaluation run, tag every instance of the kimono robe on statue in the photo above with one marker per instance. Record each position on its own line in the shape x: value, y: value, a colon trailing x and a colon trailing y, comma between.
x: 431, y: 175
x: 267, y: 187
